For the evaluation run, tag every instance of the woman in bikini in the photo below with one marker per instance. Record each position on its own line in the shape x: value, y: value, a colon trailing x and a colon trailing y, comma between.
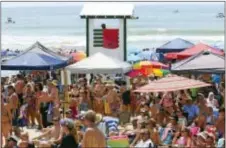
x: 98, y: 92
x: 83, y: 100
x: 30, y: 99
x: 6, y: 117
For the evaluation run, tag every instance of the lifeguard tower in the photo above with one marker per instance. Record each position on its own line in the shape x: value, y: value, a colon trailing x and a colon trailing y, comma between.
x: 106, y: 28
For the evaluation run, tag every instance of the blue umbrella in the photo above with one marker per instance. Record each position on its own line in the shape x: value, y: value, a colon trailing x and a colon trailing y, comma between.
x: 3, y: 53
x: 133, y: 58
x: 133, y: 50
x: 11, y: 53
x: 219, y: 45
x: 148, y: 55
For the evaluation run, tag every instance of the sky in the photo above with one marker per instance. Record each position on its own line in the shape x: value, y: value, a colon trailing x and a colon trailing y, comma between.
x: 55, y: 4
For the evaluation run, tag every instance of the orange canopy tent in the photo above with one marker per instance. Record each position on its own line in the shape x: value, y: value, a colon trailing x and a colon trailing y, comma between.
x: 192, y: 51
x: 171, y: 83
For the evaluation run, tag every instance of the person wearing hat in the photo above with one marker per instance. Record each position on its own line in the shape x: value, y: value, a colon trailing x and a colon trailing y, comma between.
x: 69, y: 140
x: 11, y: 142
x: 101, y: 125
x: 93, y: 137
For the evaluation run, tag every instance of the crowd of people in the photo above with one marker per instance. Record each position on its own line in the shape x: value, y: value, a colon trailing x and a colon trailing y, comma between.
x: 99, y: 109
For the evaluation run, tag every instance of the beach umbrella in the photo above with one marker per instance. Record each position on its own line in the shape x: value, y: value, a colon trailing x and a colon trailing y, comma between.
x: 133, y: 58
x: 160, y: 72
x: 78, y: 56
x: 133, y: 50
x: 148, y: 55
x: 171, y: 83
x: 149, y: 64
x: 3, y: 53
x: 134, y: 73
x: 219, y: 45
x: 8, y: 53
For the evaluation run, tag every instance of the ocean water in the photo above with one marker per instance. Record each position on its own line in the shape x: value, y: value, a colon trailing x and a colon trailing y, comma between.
x: 61, y: 26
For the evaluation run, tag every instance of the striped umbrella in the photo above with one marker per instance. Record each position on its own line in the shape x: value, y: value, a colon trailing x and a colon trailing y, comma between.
x: 172, y: 83
x: 150, y: 64
x: 160, y: 72
x: 134, y: 73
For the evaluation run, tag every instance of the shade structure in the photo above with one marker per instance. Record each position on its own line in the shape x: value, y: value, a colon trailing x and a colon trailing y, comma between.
x: 192, y: 51
x: 37, y: 57
x: 175, y: 45
x: 160, y: 72
x: 100, y: 63
x: 133, y: 58
x: 171, y: 83
x: 78, y: 56
x: 148, y: 55
x: 203, y: 62
x: 149, y: 64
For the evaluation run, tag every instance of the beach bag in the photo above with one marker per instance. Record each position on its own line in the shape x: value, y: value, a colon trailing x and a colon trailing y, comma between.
x: 50, y: 113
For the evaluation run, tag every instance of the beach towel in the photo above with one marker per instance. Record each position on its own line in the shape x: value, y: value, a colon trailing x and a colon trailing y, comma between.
x: 118, y: 141
x: 111, y: 123
x: 110, y: 38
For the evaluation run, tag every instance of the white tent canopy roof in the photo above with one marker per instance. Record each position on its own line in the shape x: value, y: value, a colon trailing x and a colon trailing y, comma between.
x: 99, y: 64
x: 109, y: 9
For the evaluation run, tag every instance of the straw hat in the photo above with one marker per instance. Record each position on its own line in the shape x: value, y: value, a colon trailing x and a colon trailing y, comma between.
x: 99, y: 117
x: 135, y: 81
x: 54, y: 82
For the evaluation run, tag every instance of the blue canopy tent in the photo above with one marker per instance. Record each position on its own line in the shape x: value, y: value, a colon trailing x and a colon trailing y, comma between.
x: 175, y: 45
x: 37, y: 57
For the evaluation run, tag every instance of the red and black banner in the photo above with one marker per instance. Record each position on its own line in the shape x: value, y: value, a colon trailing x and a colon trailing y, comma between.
x: 106, y: 38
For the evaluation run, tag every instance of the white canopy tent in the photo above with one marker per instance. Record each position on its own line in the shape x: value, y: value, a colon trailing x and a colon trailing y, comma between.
x: 99, y: 63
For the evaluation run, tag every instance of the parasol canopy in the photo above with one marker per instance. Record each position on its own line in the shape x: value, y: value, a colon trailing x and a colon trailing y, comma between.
x: 171, y: 83
x: 150, y: 64
x: 78, y: 56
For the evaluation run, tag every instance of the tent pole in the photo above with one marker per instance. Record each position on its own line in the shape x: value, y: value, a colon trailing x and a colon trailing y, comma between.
x: 66, y: 97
